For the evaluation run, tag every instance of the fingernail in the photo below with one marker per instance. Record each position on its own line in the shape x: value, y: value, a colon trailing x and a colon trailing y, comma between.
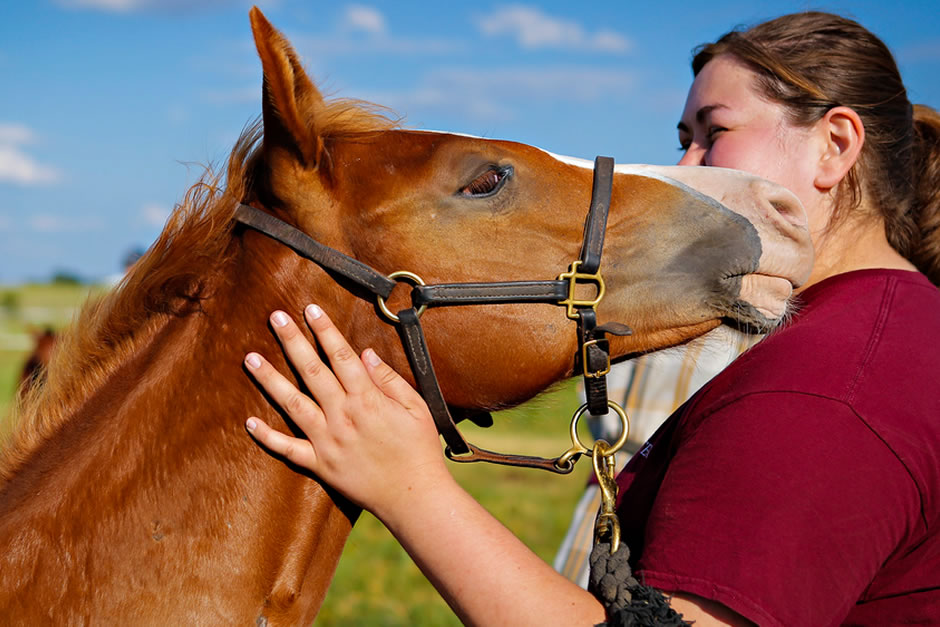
x: 280, y: 318
x: 250, y: 424
x: 371, y: 358
x: 314, y: 311
x: 253, y: 360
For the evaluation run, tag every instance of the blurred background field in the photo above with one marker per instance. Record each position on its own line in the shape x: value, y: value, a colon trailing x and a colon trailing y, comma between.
x: 29, y: 308
x: 376, y: 582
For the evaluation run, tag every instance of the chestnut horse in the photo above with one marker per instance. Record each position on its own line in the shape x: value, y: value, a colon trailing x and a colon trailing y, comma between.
x: 130, y: 493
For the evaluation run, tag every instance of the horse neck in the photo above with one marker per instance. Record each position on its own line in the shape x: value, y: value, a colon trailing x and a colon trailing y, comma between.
x: 162, y: 441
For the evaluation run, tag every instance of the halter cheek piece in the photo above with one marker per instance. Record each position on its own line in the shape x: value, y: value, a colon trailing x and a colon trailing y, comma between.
x: 593, y: 358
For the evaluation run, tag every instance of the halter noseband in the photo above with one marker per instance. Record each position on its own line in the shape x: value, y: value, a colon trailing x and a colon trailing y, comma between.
x: 593, y: 358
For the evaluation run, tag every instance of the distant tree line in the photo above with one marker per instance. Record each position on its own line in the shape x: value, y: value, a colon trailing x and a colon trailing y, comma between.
x: 66, y: 277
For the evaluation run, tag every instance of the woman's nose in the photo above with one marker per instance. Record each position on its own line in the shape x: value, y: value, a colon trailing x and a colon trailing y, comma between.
x: 693, y: 155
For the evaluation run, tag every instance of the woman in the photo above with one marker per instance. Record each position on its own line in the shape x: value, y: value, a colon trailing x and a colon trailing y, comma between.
x: 798, y: 487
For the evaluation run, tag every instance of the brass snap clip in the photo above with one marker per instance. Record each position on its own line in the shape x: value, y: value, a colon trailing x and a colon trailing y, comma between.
x: 606, y: 526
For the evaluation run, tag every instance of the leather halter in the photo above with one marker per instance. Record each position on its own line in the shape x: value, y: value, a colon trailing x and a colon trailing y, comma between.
x: 593, y: 357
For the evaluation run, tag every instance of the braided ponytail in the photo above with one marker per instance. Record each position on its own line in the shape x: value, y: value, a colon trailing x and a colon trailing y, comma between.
x: 925, y: 208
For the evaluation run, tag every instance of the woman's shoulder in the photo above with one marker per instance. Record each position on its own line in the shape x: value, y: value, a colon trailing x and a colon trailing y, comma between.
x: 856, y: 327
x: 864, y: 354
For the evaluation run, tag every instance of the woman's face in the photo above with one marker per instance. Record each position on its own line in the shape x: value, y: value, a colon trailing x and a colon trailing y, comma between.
x: 727, y: 123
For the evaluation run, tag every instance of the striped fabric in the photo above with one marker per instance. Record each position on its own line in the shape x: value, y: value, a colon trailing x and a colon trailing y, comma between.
x: 649, y: 388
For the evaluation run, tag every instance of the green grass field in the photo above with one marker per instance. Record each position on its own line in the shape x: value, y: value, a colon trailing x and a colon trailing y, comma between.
x: 376, y: 583
x: 27, y: 308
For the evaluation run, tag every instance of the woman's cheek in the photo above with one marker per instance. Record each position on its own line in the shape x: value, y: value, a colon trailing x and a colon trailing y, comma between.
x: 727, y: 155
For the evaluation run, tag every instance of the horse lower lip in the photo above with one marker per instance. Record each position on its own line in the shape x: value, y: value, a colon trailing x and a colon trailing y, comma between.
x: 769, y: 295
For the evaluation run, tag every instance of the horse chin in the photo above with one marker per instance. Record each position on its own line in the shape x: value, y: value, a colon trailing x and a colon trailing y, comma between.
x: 764, y: 300
x: 626, y: 347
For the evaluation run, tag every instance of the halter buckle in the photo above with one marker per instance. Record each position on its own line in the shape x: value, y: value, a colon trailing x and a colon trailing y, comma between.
x: 585, y: 362
x: 573, y: 276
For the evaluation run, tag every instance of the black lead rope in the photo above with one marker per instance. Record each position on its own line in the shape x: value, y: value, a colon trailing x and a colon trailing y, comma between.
x: 628, y: 602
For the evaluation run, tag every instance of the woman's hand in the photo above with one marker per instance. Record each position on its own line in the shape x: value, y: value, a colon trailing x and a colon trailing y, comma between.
x: 372, y: 437
x: 370, y: 434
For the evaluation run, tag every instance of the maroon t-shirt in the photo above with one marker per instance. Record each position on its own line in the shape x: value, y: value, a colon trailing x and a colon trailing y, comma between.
x: 801, y: 486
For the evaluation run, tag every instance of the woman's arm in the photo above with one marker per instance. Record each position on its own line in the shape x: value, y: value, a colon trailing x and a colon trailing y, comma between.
x: 372, y: 438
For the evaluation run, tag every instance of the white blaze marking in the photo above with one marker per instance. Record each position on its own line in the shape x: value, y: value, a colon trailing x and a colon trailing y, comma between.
x: 658, y: 172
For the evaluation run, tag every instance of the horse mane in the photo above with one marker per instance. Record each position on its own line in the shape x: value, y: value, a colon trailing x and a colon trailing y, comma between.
x: 171, y: 279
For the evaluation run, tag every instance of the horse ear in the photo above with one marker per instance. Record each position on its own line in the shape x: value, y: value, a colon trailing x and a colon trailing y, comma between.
x: 289, y: 98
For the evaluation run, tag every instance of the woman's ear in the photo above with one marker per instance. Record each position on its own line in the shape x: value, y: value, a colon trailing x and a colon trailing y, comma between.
x: 843, y: 138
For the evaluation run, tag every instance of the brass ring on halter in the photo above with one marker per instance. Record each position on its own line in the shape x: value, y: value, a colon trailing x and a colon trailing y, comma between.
x: 408, y: 275
x: 611, y: 449
x: 569, y: 457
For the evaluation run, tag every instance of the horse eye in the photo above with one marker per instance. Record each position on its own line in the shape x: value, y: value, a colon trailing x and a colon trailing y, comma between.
x: 487, y: 183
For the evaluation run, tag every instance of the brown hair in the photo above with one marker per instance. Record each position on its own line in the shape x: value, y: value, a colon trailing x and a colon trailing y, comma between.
x: 811, y: 62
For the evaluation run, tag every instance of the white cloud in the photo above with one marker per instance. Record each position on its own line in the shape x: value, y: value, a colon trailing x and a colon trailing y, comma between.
x: 45, y: 223
x: 48, y: 223
x: 116, y: 6
x: 15, y: 134
x: 154, y: 214
x: 565, y: 83
x: 501, y: 94
x: 15, y: 165
x: 362, y: 18
x: 137, y: 6
x: 534, y: 29
x: 609, y: 41
x: 18, y: 167
x: 321, y: 47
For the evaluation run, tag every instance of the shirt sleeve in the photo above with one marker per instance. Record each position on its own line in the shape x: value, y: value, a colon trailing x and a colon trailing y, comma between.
x: 781, y: 506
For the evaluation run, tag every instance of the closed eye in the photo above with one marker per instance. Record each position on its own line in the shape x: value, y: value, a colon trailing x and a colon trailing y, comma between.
x: 714, y: 131
x: 487, y: 183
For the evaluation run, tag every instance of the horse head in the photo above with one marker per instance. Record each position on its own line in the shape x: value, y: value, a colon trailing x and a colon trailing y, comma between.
x: 685, y: 247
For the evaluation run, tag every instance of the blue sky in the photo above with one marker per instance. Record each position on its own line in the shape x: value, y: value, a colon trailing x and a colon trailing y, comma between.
x: 110, y: 107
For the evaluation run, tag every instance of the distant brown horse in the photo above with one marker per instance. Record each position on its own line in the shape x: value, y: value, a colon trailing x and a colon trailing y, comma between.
x: 36, y: 361
x: 130, y: 493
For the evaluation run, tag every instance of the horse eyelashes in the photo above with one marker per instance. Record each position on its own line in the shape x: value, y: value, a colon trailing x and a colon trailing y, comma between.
x: 484, y: 184
x: 487, y: 183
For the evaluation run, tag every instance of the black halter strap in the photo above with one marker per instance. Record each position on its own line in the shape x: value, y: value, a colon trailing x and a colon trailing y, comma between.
x: 593, y: 357
x: 311, y: 249
x: 595, y: 350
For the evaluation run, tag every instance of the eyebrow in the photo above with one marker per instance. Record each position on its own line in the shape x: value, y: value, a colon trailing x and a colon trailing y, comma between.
x: 700, y: 116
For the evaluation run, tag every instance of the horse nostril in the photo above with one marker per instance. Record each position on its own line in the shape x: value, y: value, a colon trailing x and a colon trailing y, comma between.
x: 784, y: 203
x: 791, y: 212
